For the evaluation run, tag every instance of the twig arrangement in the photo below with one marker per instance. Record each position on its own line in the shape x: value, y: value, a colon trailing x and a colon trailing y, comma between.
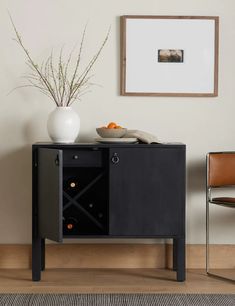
x: 55, y: 77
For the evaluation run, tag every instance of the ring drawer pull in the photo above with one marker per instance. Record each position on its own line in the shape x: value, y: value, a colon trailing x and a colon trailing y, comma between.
x: 57, y: 160
x: 115, y: 159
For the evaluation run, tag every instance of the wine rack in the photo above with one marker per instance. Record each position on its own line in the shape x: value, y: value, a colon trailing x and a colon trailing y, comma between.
x: 85, y: 203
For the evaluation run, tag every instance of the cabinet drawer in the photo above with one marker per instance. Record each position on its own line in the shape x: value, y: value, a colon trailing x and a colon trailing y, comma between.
x: 82, y: 158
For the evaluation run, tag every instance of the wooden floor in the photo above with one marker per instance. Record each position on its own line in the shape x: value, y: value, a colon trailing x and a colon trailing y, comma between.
x: 112, y: 281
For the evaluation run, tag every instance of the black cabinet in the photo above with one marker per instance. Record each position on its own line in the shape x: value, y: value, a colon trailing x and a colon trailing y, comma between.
x: 108, y: 190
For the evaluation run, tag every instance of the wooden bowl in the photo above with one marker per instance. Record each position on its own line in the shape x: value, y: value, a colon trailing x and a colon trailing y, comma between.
x: 111, y: 133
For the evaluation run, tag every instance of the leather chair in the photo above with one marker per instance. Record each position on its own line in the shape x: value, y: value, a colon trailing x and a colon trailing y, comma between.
x: 220, y: 173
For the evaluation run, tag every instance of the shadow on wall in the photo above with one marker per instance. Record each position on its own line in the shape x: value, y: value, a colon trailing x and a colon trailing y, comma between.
x: 196, y: 177
x: 35, y: 128
x: 85, y: 137
x: 196, y: 182
x: 15, y: 190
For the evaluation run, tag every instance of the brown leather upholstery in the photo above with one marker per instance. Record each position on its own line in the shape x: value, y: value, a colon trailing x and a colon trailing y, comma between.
x: 221, y: 169
x: 224, y: 201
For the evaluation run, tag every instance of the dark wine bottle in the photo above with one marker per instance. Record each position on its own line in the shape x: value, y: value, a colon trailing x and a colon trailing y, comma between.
x: 72, y: 184
x: 70, y: 224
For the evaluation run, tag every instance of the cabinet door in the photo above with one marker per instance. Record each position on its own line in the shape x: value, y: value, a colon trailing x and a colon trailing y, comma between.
x: 50, y: 188
x: 147, y: 191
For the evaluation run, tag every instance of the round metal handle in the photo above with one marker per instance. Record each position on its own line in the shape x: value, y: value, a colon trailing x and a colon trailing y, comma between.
x: 115, y: 159
x: 75, y: 157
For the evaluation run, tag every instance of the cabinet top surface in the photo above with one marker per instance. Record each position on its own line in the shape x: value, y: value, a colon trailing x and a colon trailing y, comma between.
x: 107, y: 145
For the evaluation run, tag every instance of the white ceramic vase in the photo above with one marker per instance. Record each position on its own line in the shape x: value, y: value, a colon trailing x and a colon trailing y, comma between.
x: 63, y: 125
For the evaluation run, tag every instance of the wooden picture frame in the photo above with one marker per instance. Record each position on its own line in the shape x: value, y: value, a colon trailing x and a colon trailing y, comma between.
x: 169, y: 56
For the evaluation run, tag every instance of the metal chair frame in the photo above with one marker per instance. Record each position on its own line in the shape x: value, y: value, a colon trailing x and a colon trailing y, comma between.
x: 208, y: 202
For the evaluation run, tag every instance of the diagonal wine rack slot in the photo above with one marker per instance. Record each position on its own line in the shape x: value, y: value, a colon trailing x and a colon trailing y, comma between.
x: 85, y: 189
x: 83, y: 210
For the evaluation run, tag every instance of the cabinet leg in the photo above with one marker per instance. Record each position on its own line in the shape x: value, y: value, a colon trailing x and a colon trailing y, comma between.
x: 175, y: 254
x: 36, y: 259
x: 180, y: 254
x: 42, y: 254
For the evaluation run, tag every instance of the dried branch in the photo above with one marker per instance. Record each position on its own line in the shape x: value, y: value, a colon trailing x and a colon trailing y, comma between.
x: 53, y: 77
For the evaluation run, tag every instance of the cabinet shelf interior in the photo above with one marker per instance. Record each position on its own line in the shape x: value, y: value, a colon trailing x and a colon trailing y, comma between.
x: 85, y: 204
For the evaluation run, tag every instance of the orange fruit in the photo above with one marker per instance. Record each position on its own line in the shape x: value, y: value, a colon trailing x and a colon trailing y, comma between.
x: 111, y: 125
x: 118, y: 127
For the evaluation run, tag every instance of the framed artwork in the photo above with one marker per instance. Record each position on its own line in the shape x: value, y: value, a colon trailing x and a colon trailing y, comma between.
x: 169, y: 56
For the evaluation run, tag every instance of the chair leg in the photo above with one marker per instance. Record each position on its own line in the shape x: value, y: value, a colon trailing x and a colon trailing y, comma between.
x: 208, y: 247
x: 207, y: 236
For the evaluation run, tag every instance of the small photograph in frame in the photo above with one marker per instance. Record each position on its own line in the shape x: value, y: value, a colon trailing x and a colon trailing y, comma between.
x: 170, y: 56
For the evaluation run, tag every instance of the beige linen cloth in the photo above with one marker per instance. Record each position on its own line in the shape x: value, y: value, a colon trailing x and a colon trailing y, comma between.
x: 142, y: 136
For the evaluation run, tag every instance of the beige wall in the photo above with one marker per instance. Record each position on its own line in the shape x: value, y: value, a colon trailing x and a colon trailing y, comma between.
x: 204, y: 124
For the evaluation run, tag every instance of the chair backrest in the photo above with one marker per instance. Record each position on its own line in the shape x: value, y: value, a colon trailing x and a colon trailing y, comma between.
x: 220, y: 169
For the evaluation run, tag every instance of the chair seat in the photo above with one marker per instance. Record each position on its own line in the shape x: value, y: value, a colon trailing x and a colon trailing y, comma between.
x: 224, y: 201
